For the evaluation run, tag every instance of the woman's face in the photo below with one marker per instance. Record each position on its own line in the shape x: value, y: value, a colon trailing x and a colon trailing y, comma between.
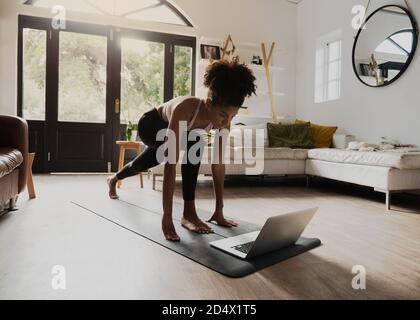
x: 221, y: 117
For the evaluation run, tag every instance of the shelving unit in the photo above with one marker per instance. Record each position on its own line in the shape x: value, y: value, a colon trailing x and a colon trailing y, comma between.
x: 269, y: 94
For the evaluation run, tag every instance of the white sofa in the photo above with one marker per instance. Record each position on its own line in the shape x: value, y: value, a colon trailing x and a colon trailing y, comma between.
x: 276, y: 161
x: 386, y: 172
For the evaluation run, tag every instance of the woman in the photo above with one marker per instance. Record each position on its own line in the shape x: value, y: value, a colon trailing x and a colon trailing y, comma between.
x: 228, y: 84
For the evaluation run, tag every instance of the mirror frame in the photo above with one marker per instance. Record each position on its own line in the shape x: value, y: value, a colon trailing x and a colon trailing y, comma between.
x: 410, y: 57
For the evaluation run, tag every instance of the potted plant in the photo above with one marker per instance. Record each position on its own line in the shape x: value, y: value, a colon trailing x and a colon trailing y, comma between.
x: 131, y: 128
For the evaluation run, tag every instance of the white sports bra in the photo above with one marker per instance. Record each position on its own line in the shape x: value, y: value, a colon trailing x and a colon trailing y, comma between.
x: 169, y: 106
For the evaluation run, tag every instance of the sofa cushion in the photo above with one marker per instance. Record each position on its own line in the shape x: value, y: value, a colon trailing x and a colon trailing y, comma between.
x: 10, y: 159
x: 392, y: 159
x: 289, y: 136
x: 241, y: 153
x: 321, y: 136
x: 270, y: 153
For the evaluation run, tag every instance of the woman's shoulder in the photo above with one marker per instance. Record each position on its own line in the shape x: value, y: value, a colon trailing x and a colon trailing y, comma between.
x: 184, y: 108
x: 187, y: 99
x: 186, y: 102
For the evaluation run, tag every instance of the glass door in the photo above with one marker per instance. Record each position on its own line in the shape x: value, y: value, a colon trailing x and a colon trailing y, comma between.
x: 154, y: 68
x: 79, y: 125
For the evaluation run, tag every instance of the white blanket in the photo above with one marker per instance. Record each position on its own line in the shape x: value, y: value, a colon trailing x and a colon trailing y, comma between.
x: 393, y: 158
x: 383, y: 146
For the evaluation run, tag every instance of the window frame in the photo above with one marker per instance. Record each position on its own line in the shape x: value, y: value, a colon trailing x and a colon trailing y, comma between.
x: 396, y: 44
x: 166, y: 3
x: 326, y: 66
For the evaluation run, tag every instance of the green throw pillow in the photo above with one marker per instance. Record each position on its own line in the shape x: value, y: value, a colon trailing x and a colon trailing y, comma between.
x: 297, y: 136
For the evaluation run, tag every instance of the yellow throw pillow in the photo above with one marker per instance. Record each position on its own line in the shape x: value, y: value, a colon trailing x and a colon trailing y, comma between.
x: 321, y: 135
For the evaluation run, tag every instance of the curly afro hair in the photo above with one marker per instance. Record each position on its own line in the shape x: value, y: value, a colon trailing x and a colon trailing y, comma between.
x: 229, y: 82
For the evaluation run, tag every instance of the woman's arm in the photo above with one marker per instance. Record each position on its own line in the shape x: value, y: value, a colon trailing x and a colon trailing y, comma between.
x: 218, y: 171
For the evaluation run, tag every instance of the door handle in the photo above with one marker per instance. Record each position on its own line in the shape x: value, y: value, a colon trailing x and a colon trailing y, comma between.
x: 117, y: 106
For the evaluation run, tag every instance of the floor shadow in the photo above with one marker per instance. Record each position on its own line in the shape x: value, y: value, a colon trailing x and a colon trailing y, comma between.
x: 4, y: 215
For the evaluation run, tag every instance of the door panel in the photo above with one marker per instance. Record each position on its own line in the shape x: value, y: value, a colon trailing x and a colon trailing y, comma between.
x: 36, y: 144
x: 85, y: 144
x: 83, y: 129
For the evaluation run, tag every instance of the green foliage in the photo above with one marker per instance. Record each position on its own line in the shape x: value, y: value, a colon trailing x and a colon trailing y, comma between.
x: 82, y: 77
x: 183, y: 70
x: 142, y: 78
x: 129, y: 130
x: 34, y: 76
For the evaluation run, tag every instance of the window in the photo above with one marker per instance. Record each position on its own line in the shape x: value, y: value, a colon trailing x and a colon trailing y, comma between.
x: 147, y: 10
x: 328, y: 71
x: 82, y: 78
x: 142, y: 77
x: 183, y: 71
x: 34, y: 68
x: 400, y: 43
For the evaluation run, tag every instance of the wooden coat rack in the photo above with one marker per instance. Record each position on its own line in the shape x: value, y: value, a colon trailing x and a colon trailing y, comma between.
x: 267, y: 63
x: 228, y: 54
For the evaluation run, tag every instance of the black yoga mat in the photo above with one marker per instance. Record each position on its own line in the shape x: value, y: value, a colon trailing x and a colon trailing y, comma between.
x: 144, y: 219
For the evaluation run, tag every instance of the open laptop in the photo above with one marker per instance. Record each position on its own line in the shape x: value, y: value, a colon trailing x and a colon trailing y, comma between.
x: 278, y: 232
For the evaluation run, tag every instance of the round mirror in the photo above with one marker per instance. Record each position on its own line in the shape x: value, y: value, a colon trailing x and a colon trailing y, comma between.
x: 385, y: 46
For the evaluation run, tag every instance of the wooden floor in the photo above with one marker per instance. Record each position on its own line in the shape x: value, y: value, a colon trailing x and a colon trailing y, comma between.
x: 103, y: 261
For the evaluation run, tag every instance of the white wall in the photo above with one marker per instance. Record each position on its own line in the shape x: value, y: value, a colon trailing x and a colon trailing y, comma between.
x: 8, y: 59
x: 246, y: 20
x: 369, y: 113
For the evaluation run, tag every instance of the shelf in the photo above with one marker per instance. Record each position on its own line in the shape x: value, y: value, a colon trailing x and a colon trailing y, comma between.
x: 203, y: 62
x: 260, y: 68
x: 265, y: 93
x: 215, y: 41
x: 253, y: 67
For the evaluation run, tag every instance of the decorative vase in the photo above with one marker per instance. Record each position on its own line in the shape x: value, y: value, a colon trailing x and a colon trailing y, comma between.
x: 133, y: 135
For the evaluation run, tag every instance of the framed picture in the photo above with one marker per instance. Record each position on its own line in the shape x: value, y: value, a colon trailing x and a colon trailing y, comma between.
x: 210, y: 52
x: 365, y: 70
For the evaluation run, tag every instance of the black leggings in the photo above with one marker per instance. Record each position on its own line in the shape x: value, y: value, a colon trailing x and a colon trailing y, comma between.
x: 148, y: 127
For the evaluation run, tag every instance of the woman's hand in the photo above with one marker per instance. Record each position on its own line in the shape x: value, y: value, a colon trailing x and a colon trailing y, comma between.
x: 219, y: 219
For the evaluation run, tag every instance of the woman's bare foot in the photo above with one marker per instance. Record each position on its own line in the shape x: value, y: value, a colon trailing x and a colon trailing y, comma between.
x: 194, y: 224
x: 191, y: 221
x: 112, y: 185
x: 169, y: 230
x: 221, y: 221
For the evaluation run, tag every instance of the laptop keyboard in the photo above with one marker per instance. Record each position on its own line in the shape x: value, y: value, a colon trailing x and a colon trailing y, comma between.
x: 244, y: 248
